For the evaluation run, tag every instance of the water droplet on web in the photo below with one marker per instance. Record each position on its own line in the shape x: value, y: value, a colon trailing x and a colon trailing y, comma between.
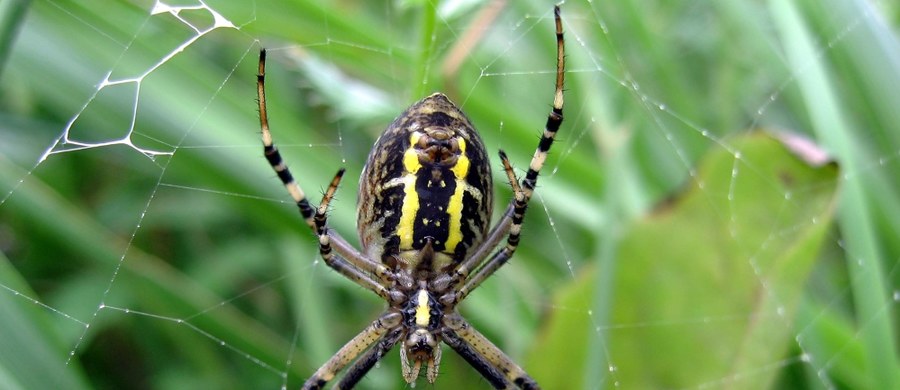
x: 590, y: 312
x: 897, y: 295
x: 780, y: 310
x: 805, y: 358
x: 613, y: 368
x: 662, y: 107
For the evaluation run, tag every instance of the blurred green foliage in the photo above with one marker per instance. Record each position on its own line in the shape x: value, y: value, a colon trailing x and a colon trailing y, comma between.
x: 672, y: 242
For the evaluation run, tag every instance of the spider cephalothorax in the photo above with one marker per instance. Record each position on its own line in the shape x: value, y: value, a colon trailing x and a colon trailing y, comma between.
x: 423, y: 216
x: 422, y: 319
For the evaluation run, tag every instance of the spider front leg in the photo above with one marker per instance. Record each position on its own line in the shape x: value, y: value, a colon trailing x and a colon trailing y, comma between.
x: 271, y: 152
x: 464, y: 284
x: 520, y: 204
x: 337, y: 252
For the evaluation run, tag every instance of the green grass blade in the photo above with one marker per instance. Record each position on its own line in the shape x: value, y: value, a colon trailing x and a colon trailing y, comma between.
x: 866, y: 260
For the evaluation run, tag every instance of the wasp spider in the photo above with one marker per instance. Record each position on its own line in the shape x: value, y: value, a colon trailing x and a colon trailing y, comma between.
x: 425, y: 200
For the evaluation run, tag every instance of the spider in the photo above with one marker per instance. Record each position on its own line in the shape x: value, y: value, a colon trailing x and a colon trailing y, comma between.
x: 424, y: 208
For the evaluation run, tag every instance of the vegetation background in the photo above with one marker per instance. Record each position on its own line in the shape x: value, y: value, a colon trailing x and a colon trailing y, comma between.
x: 674, y: 241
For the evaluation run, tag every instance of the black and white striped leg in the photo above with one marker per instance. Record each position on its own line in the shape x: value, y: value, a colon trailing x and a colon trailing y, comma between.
x: 271, y: 152
x: 520, y: 204
x: 511, y: 224
x: 352, y: 264
x: 350, y: 255
x: 333, y: 260
x: 321, y: 217
x: 522, y: 194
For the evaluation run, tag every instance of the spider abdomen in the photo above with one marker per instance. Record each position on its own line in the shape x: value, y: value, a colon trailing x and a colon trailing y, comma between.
x: 427, y: 180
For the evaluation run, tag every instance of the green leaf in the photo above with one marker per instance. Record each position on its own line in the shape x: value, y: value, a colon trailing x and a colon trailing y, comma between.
x: 707, y: 286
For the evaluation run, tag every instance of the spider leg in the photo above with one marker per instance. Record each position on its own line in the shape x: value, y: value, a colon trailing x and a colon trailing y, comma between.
x: 517, y: 212
x: 512, y: 242
x: 522, y: 194
x: 376, y: 330
x: 484, y: 356
x: 349, y: 262
x: 335, y: 261
x: 364, y: 363
x: 271, y: 152
x: 476, y: 360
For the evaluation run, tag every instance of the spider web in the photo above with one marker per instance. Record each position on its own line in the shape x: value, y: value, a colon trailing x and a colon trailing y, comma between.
x: 149, y: 244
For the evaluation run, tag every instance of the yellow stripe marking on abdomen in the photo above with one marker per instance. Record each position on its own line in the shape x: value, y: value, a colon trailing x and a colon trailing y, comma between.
x: 411, y: 197
x: 455, y: 206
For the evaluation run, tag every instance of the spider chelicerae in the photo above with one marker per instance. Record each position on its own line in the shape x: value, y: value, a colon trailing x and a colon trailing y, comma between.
x: 424, y: 209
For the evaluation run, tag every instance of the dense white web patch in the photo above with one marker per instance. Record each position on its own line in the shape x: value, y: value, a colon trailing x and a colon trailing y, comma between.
x: 67, y: 143
x: 580, y: 41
